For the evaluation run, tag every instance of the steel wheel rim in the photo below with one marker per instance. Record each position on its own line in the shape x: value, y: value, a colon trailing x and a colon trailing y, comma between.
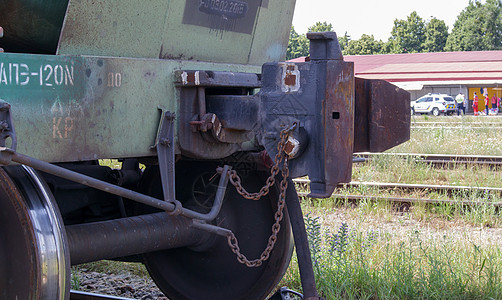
x: 38, y: 265
x: 215, y: 272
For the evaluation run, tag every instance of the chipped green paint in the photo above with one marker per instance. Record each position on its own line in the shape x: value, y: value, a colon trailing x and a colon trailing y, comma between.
x: 70, y: 108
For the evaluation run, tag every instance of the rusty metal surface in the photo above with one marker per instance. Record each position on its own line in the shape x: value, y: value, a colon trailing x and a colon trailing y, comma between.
x: 382, y: 115
x: 301, y: 243
x: 193, y: 140
x: 235, y: 112
x: 216, y: 79
x: 319, y: 97
x: 339, y: 124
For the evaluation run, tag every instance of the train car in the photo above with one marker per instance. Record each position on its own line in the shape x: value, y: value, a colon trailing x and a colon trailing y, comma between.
x: 207, y: 123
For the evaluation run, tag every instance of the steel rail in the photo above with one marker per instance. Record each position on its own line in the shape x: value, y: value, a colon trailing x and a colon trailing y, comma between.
x: 402, y: 186
x: 80, y: 295
x: 407, y: 200
x: 462, y: 123
x: 432, y: 187
x: 455, y: 127
x: 439, y: 159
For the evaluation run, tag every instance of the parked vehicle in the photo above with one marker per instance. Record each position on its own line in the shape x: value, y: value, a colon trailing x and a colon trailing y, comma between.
x: 434, y: 104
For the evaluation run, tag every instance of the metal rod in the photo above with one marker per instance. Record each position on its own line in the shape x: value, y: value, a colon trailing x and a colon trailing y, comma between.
x: 80, y: 295
x: 211, y: 228
x: 302, y: 245
x: 130, y: 236
x: 125, y: 193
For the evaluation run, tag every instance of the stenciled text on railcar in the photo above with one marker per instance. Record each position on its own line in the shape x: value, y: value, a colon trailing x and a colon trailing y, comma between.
x: 21, y: 74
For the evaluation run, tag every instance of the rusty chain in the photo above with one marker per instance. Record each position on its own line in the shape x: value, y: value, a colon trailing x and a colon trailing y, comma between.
x: 279, y: 157
x: 235, y: 180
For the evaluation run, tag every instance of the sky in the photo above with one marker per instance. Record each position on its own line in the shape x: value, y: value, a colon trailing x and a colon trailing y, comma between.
x: 376, y: 17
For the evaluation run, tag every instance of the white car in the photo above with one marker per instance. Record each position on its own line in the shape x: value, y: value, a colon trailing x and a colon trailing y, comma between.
x: 434, y: 104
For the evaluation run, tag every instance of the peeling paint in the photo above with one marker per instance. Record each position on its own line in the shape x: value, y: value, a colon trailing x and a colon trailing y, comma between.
x: 290, y: 78
x: 197, y: 78
x: 184, y: 78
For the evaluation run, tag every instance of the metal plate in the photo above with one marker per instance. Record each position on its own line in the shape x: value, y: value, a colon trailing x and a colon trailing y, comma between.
x: 382, y: 115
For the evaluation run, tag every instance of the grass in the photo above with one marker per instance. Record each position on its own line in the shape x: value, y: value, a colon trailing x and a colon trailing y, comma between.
x: 464, y: 140
x: 410, y: 170
x: 442, y: 251
x: 115, y: 267
x: 360, y: 262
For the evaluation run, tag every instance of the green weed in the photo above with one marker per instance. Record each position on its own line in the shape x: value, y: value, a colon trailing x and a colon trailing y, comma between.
x: 357, y: 264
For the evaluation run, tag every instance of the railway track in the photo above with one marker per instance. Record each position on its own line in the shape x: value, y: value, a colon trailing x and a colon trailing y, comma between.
x: 450, y: 189
x: 456, y: 125
x: 404, y: 201
x: 439, y: 159
x: 465, y: 191
x: 79, y: 295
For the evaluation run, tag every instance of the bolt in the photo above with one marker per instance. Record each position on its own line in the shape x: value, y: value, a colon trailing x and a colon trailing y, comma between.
x: 165, y: 142
x: 170, y: 116
x: 4, y: 126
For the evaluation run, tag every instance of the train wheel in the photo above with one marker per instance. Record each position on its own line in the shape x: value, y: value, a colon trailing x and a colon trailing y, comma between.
x: 212, y: 271
x: 34, y: 262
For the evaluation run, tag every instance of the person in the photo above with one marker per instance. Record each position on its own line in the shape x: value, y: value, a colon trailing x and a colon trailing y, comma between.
x: 495, y: 100
x: 475, y: 104
x: 466, y: 101
x: 460, y: 103
x: 487, y: 99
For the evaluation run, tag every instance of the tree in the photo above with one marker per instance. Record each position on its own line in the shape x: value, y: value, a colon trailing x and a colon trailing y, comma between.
x: 320, y: 27
x: 364, y: 46
x: 344, y: 41
x: 298, y: 45
x: 477, y: 28
x: 436, y: 34
x: 408, y: 35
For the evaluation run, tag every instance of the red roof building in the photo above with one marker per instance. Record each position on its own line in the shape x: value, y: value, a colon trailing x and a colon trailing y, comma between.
x: 441, y: 72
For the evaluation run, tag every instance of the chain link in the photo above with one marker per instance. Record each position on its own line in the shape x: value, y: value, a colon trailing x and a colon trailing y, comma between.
x: 276, y: 227
x: 279, y: 157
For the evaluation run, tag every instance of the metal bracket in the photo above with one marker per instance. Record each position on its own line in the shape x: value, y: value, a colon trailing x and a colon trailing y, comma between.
x: 165, y: 151
x: 6, y: 131
x: 284, y: 294
x: 6, y: 127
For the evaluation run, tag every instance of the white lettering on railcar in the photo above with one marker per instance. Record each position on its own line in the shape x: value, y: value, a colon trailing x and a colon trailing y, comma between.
x: 114, y: 79
x: 20, y: 74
